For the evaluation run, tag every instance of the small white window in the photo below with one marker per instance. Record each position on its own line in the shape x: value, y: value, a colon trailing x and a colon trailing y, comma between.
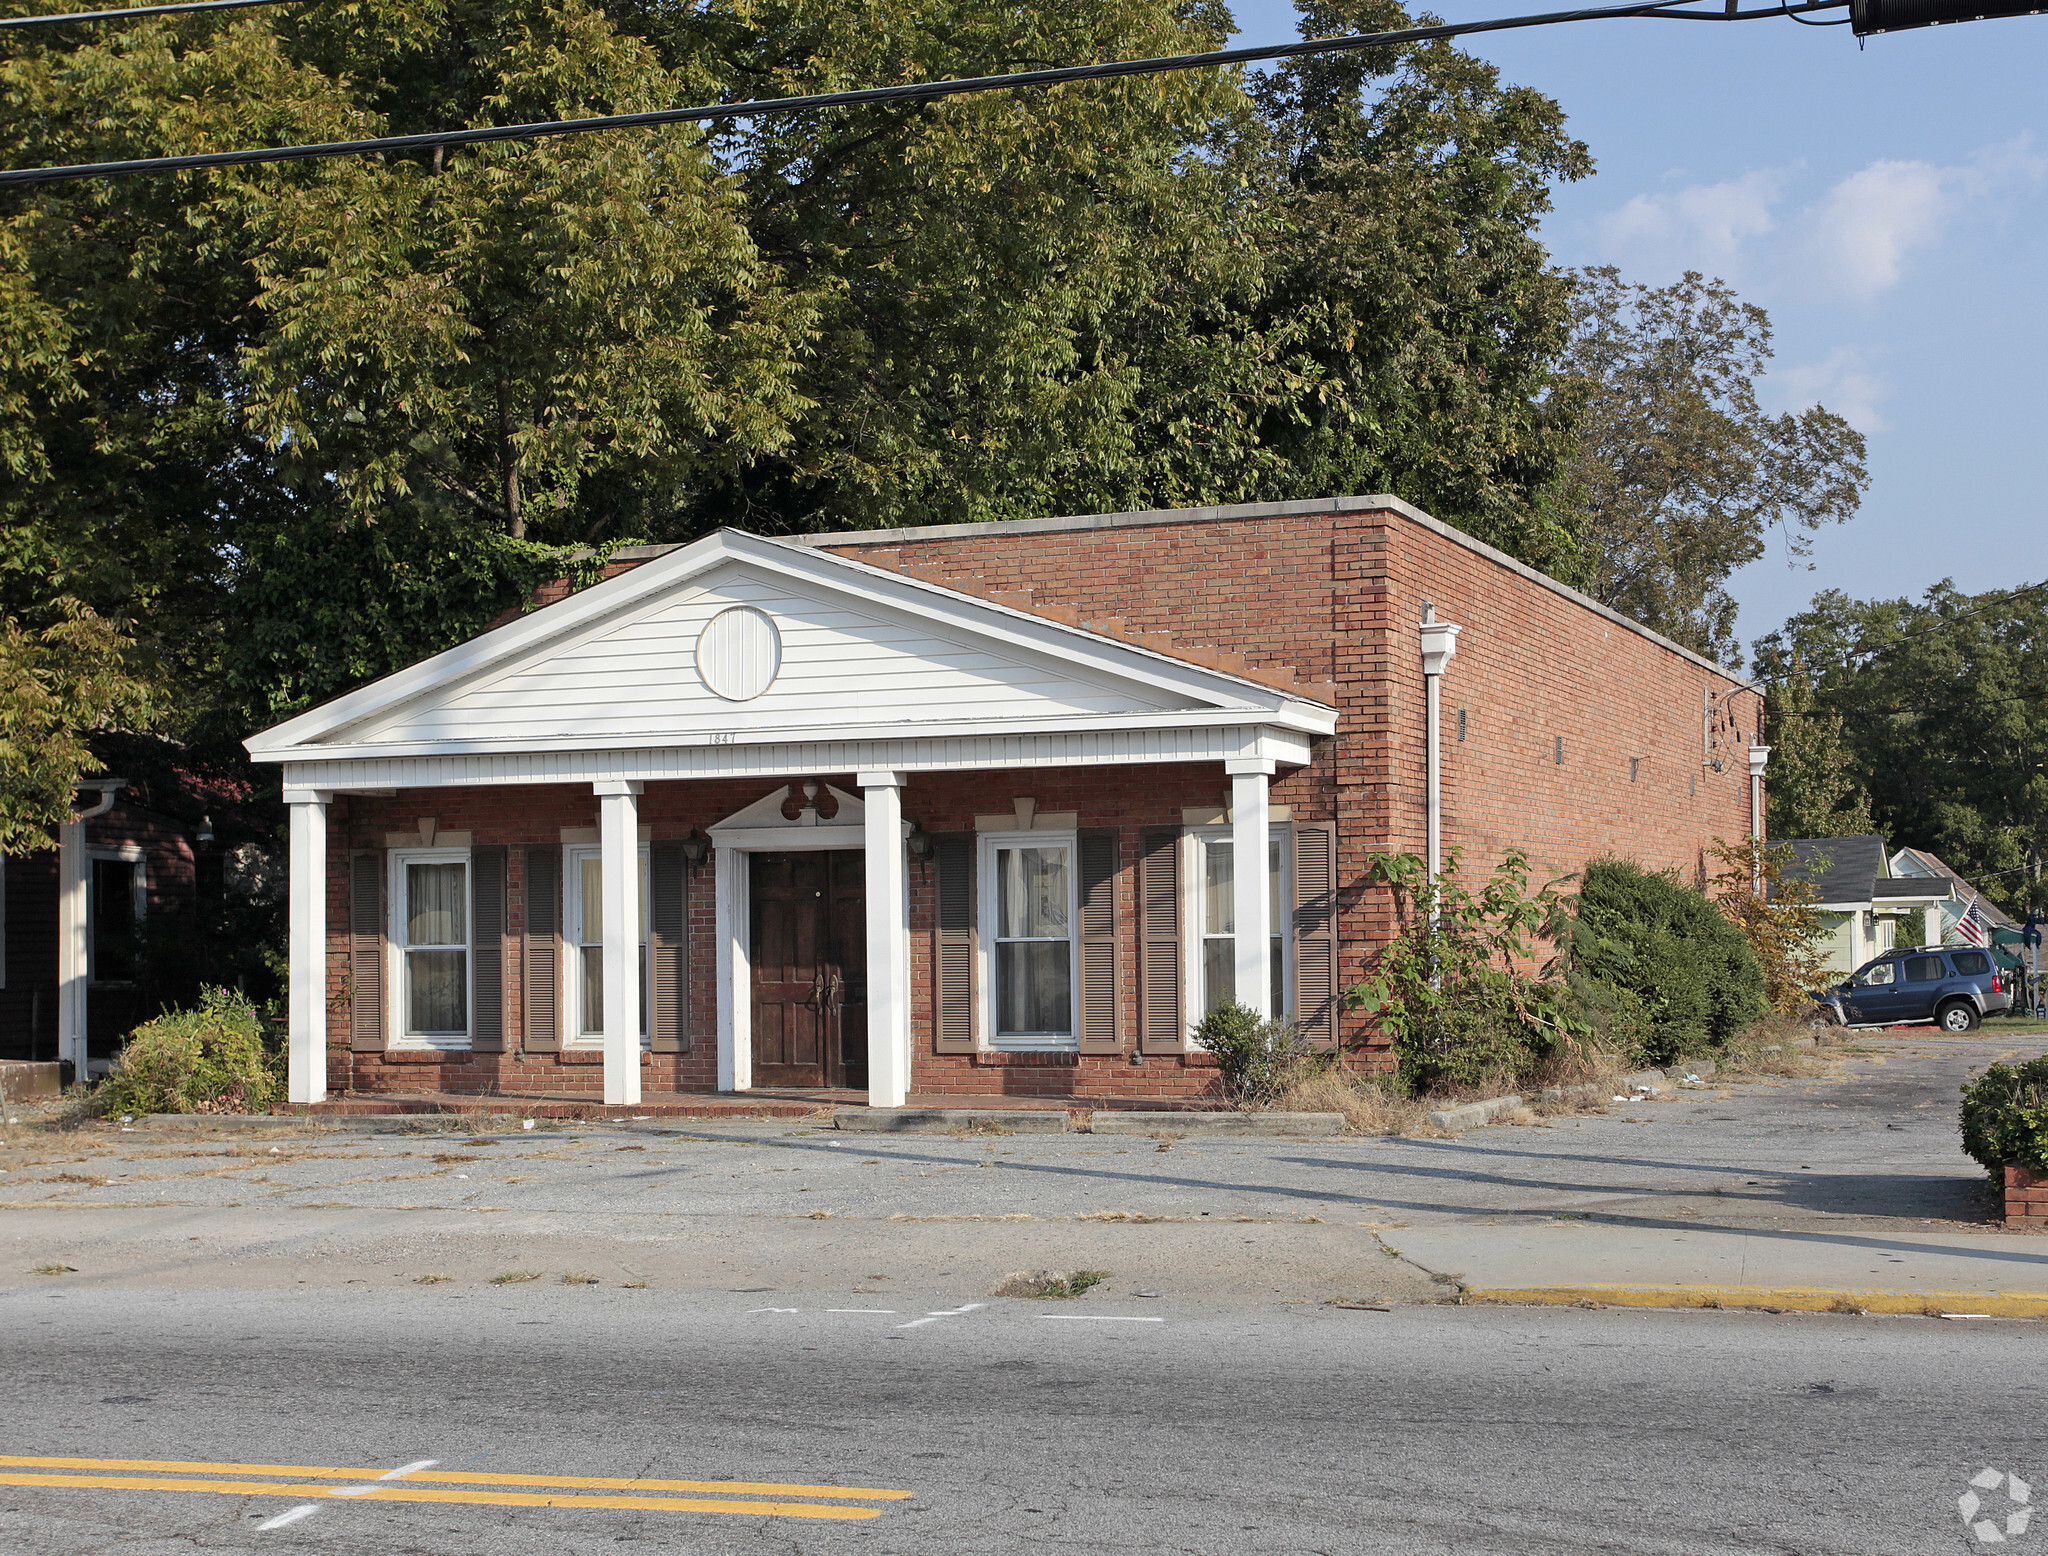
x: 584, y: 946
x: 430, y: 919
x: 1029, y: 908
x: 1212, y: 917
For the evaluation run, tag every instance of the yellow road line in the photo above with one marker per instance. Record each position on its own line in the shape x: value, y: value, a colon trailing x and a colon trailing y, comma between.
x: 1802, y: 1299
x: 401, y: 1491
x: 457, y: 1477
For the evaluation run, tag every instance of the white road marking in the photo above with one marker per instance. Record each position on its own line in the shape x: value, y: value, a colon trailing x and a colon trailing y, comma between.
x: 932, y: 1318
x: 774, y: 1310
x: 398, y: 1474
x: 889, y: 1310
x: 289, y: 1516
x: 1101, y: 1318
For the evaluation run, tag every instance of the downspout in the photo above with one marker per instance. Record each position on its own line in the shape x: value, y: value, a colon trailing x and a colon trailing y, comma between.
x: 73, y: 953
x: 1439, y: 643
x: 1759, y: 756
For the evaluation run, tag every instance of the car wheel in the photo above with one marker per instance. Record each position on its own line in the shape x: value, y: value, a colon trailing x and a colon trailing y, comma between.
x: 1957, y: 1016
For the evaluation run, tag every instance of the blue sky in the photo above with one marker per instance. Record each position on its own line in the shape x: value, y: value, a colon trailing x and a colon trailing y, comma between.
x: 1888, y: 205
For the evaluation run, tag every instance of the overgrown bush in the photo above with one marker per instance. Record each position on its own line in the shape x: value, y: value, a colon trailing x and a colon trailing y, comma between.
x: 1256, y: 1059
x: 209, y: 1060
x: 1453, y: 988
x: 1775, y: 912
x: 2005, y: 1116
x: 1676, y: 972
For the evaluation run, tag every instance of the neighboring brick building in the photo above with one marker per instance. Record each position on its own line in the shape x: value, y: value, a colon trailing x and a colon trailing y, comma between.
x: 955, y: 810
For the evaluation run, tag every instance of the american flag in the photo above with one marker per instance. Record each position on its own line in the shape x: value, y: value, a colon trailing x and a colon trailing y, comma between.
x: 1972, y: 925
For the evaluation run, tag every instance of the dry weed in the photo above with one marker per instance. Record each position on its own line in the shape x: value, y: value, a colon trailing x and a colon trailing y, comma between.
x: 1048, y: 1285
x: 1370, y: 1106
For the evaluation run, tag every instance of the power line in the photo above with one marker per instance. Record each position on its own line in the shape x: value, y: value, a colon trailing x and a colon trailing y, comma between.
x: 133, y: 11
x: 913, y: 92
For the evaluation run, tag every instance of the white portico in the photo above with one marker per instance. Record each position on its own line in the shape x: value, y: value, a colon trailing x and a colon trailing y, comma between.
x: 735, y: 664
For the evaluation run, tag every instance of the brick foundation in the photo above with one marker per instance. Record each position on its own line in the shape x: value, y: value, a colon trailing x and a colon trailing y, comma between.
x: 2026, y: 1199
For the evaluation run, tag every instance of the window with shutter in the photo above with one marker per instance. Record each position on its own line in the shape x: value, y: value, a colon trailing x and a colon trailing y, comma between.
x: 668, y: 948
x: 1099, y: 1029
x: 1315, y: 934
x: 432, y: 967
x: 1212, y: 920
x: 541, y: 1020
x: 953, y: 962
x: 366, y: 951
x: 1162, y: 1028
x: 487, y: 949
x: 1029, y: 911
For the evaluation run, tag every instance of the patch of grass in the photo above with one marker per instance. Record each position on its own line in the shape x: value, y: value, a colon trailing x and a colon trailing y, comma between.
x: 514, y: 1277
x: 54, y: 1269
x: 579, y: 1278
x: 1370, y: 1104
x: 632, y: 1148
x: 1049, y: 1285
x: 431, y: 1280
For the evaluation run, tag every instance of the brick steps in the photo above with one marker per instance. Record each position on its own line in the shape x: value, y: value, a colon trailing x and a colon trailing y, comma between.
x: 709, y: 1105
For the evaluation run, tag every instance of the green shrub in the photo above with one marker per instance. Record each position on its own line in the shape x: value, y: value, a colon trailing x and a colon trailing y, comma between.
x: 2005, y: 1116
x: 1256, y: 1059
x: 209, y: 1060
x: 1693, y: 979
x: 1453, y: 989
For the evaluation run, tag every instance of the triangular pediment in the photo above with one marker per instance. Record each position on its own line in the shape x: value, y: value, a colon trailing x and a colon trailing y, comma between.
x: 738, y: 638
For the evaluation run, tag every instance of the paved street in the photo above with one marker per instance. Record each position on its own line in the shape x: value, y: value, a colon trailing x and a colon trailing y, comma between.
x: 774, y: 1336
x: 1014, y: 1426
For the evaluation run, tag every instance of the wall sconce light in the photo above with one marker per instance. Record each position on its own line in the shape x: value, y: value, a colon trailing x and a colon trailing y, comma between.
x: 919, y: 842
x: 205, y: 832
x: 696, y: 848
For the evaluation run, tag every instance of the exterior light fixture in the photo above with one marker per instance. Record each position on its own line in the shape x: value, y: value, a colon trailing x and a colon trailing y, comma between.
x: 919, y: 842
x: 696, y: 848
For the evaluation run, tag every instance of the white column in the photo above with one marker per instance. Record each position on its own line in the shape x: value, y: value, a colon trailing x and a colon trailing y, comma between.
x: 306, y: 987
x: 888, y: 924
x: 1930, y: 924
x: 618, y: 836
x: 73, y: 877
x: 1251, y: 888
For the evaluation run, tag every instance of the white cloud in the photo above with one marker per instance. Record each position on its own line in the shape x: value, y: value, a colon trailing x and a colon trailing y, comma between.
x: 1843, y: 382
x: 1860, y: 233
x: 1702, y: 227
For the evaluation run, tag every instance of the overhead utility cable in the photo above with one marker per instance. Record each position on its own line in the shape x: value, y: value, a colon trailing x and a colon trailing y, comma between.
x: 133, y: 11
x: 918, y: 91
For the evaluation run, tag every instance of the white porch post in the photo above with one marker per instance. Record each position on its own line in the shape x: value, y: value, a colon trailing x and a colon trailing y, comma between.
x: 306, y: 988
x: 1251, y: 888
x: 888, y: 925
x: 618, y: 836
x: 1930, y: 924
x: 72, y: 951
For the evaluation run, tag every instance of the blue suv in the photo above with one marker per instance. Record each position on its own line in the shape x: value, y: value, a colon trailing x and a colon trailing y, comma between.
x: 1954, y: 987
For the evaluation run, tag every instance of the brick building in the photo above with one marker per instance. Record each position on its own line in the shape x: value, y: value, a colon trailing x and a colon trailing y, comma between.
x: 957, y: 811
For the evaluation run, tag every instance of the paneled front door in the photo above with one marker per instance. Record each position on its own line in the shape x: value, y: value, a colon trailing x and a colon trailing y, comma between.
x: 808, y: 948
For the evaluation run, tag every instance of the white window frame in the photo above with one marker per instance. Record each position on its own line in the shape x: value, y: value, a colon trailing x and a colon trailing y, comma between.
x: 396, y: 943
x: 988, y: 918
x: 1195, y: 844
x: 573, y: 1035
x: 120, y: 853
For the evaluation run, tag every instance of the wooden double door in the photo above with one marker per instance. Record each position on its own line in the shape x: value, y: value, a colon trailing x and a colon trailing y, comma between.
x: 807, y: 945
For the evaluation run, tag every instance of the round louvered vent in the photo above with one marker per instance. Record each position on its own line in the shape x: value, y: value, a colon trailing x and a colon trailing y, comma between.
x: 739, y: 653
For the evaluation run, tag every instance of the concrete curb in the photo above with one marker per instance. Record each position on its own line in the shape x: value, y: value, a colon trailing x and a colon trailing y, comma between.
x: 1790, y: 1299
x: 1134, y: 1122
x: 946, y: 1121
x: 1575, y: 1094
x: 1471, y: 1115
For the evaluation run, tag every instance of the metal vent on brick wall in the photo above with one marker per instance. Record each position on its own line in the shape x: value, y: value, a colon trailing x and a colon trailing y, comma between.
x: 739, y: 653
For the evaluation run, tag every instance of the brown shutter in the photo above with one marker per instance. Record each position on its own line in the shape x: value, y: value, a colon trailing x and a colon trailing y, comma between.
x: 366, y: 953
x: 543, y: 958
x: 953, y: 961
x: 1162, y: 1028
x: 487, y: 949
x: 1315, y: 935
x: 668, y: 948
x: 1099, y: 1033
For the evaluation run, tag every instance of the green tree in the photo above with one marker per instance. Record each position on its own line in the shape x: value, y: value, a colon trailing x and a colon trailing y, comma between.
x: 1679, y: 475
x: 1943, y: 704
x: 58, y: 687
x: 1811, y: 788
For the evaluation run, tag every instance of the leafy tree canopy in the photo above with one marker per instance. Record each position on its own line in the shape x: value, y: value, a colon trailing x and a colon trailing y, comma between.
x: 1942, y: 706
x: 295, y: 425
x: 1679, y: 475
x: 58, y: 687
